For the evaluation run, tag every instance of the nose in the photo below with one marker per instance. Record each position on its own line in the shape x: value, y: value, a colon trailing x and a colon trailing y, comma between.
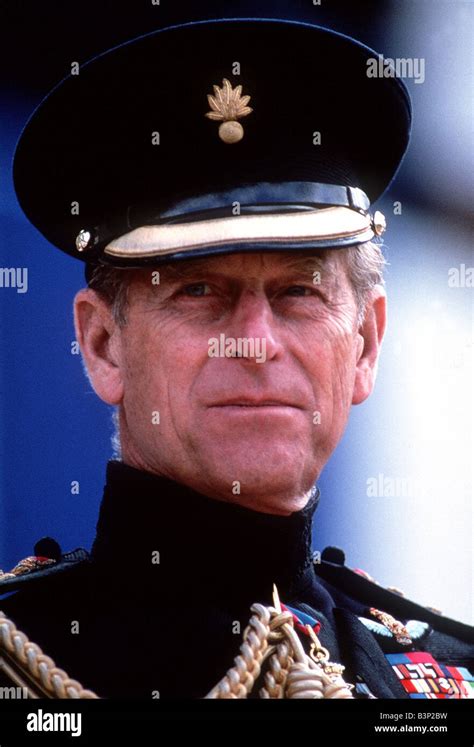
x: 252, y: 319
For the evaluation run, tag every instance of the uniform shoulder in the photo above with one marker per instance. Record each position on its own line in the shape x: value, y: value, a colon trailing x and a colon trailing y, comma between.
x: 48, y: 562
x: 355, y: 584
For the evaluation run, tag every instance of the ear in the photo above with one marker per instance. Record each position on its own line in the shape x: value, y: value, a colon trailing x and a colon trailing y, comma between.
x: 370, y: 335
x: 99, y: 338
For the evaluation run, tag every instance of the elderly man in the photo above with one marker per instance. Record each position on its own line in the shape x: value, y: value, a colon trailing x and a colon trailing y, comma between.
x: 216, y: 178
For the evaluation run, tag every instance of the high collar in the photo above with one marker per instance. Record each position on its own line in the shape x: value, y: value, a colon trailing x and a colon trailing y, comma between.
x: 147, y: 521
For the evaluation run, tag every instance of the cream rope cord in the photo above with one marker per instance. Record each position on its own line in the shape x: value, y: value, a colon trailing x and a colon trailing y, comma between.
x: 38, y: 667
x: 269, y: 637
x: 291, y: 672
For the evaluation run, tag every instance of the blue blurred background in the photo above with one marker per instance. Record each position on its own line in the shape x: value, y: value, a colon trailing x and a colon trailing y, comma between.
x: 417, y: 426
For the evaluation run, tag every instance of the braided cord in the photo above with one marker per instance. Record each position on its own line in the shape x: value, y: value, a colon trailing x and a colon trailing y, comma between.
x: 269, y: 638
x: 290, y: 672
x: 31, y: 660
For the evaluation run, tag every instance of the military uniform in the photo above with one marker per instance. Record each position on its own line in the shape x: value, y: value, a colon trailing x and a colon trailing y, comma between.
x: 160, y: 603
x: 215, y: 137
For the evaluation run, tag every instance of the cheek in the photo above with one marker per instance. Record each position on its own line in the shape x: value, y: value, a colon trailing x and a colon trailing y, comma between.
x: 329, y: 352
x: 160, y: 367
x: 343, y: 354
x: 139, y: 371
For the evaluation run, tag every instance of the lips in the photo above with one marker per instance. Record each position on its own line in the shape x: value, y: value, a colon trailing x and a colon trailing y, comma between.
x: 250, y: 402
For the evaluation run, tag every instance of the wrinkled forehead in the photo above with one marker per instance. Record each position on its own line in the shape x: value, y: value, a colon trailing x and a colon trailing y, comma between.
x: 247, y: 266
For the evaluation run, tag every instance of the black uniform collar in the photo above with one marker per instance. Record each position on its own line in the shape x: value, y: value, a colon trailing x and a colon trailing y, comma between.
x: 209, y: 545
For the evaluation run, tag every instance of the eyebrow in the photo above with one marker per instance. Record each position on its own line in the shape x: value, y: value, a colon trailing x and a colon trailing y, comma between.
x: 309, y: 263
x: 179, y: 271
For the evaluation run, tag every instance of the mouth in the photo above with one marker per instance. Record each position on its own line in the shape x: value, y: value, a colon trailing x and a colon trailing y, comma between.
x: 245, y: 403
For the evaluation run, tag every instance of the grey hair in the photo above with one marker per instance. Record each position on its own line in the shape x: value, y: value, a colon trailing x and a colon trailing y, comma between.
x: 112, y: 283
x: 365, y: 266
x: 115, y: 440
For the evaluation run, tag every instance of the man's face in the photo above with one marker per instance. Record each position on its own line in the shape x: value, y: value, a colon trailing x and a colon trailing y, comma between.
x: 253, y: 430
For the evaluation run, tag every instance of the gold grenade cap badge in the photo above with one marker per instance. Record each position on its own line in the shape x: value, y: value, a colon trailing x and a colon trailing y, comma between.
x: 228, y: 105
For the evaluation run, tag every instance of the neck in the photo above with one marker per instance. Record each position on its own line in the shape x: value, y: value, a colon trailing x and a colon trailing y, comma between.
x: 283, y: 503
x: 165, y: 530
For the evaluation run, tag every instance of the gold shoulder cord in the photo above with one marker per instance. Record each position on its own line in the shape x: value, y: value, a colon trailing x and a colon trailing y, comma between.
x: 270, y: 645
x: 25, y: 665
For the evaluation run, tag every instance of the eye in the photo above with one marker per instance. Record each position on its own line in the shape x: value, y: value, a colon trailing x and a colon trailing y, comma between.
x: 298, y: 290
x: 196, y: 290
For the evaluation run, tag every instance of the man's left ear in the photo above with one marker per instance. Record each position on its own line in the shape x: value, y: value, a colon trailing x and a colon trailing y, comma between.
x: 370, y: 336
